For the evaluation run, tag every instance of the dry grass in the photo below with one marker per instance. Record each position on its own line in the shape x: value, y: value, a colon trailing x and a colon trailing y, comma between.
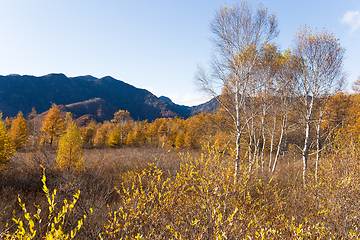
x: 104, y: 170
x: 191, y: 196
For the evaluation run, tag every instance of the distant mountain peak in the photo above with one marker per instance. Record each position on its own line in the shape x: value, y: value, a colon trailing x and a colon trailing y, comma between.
x: 86, y: 78
x: 109, y: 78
x: 56, y: 75
x: 89, y: 77
x: 167, y: 100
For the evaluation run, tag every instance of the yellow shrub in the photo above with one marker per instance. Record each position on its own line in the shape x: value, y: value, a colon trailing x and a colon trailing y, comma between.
x: 55, y: 229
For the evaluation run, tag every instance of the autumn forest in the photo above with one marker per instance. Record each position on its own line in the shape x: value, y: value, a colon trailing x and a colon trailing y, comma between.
x: 279, y: 159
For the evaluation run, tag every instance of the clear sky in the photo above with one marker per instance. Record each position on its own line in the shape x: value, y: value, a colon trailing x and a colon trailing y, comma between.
x: 151, y: 44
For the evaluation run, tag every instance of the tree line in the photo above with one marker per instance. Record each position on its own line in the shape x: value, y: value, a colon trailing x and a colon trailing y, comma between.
x: 267, y: 136
x: 270, y: 100
x: 258, y: 82
x: 57, y: 131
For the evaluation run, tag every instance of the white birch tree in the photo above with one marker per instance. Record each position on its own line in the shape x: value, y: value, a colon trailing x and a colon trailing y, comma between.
x: 321, y: 59
x: 241, y: 35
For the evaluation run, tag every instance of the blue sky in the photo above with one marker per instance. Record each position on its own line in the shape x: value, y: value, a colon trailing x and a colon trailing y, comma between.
x: 156, y: 45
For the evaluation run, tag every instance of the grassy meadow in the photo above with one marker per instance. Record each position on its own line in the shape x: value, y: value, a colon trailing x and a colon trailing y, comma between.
x: 159, y: 193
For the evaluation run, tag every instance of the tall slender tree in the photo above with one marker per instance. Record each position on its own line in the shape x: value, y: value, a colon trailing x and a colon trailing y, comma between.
x: 120, y: 118
x: 19, y: 131
x: 321, y: 62
x: 34, y: 125
x: 53, y: 124
x: 241, y: 35
x: 69, y: 152
x: 6, y: 147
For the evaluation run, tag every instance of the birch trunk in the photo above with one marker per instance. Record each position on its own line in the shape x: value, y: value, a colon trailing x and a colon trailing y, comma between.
x: 283, y: 127
x: 272, y: 143
x: 305, y: 151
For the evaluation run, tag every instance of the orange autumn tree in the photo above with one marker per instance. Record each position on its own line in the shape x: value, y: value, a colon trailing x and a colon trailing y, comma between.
x: 120, y: 118
x: 102, y: 134
x: 53, y: 124
x: 344, y: 112
x: 152, y: 133
x: 176, y: 128
x: 19, y: 131
x: 88, y: 132
x: 6, y: 147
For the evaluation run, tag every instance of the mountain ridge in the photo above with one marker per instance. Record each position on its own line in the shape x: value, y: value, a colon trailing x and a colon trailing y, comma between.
x: 23, y: 92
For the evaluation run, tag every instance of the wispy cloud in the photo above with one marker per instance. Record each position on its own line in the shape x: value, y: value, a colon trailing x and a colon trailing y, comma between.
x: 352, y: 18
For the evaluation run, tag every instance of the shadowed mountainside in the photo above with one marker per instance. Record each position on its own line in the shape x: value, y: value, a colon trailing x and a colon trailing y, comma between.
x: 99, y: 98
x: 210, y: 106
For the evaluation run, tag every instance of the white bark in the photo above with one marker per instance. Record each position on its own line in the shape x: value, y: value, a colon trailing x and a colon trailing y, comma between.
x: 241, y: 34
x: 283, y: 128
x: 320, y: 58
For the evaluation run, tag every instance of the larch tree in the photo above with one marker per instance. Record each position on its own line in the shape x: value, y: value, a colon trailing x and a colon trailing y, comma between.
x: 68, y: 119
x: 8, y: 123
x: 321, y: 63
x: 6, y: 147
x: 88, y: 132
x: 69, y: 152
x: 19, y: 131
x: 138, y: 136
x: 180, y: 139
x: 34, y: 125
x: 120, y: 118
x: 115, y: 137
x: 241, y: 35
x: 152, y: 132
x: 102, y: 134
x: 53, y: 124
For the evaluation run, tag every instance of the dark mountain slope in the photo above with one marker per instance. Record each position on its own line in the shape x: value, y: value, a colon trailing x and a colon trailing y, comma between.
x: 210, y: 106
x: 24, y: 92
x: 96, y: 107
x: 21, y: 93
x: 184, y: 110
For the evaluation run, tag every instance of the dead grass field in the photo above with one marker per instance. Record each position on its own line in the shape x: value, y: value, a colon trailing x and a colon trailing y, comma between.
x: 164, y: 194
x: 104, y: 169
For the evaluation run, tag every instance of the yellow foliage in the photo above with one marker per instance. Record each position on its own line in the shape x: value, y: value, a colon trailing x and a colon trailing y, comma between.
x: 69, y: 152
x: 121, y: 117
x: 137, y: 137
x: 19, y: 131
x: 115, y: 137
x: 53, y: 124
x: 186, y: 205
x: 6, y: 147
x: 101, y: 135
x: 180, y: 139
x: 56, y: 228
x: 204, y: 200
x: 88, y: 132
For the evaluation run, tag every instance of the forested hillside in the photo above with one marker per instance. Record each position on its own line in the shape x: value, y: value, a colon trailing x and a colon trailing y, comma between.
x: 22, y: 93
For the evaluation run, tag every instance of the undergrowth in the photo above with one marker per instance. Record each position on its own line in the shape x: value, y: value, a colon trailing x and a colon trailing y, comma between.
x: 196, y: 196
